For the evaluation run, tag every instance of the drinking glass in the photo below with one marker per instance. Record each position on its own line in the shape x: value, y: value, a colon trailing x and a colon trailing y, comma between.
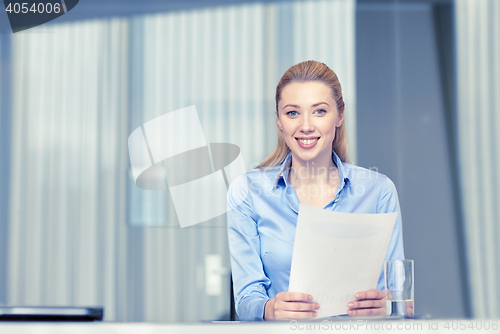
x: 399, y: 288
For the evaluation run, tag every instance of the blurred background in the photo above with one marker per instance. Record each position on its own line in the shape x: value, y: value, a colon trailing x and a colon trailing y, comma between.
x: 421, y: 82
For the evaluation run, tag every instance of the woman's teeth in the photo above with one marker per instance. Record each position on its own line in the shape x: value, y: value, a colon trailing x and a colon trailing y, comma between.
x: 309, y: 141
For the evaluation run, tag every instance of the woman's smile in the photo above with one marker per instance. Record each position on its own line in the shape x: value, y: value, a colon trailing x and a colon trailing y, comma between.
x: 307, y: 143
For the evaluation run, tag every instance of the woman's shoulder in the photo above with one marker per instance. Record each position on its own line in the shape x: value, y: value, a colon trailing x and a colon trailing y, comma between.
x: 358, y: 175
x: 254, y: 179
x: 260, y: 175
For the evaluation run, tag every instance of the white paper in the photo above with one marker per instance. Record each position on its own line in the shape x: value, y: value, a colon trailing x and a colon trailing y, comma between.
x: 338, y: 254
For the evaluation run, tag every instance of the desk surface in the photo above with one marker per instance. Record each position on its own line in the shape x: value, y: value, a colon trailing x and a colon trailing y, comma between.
x: 358, y: 326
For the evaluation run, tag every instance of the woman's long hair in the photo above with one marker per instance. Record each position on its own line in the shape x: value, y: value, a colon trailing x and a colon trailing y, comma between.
x: 303, y: 72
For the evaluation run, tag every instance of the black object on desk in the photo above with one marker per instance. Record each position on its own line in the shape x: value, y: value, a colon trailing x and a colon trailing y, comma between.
x: 46, y: 313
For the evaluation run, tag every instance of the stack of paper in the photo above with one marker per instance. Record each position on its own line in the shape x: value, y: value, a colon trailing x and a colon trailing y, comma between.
x: 338, y: 254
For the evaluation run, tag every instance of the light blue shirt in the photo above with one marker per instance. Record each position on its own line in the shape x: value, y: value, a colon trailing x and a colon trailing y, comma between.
x: 261, y: 227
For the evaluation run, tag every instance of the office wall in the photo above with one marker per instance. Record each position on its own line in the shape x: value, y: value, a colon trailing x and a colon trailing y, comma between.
x: 404, y: 131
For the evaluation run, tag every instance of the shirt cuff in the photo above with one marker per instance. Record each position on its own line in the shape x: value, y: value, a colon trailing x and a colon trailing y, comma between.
x: 254, y: 309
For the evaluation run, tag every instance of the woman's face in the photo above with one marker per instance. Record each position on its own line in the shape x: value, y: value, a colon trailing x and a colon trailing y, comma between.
x: 308, y: 118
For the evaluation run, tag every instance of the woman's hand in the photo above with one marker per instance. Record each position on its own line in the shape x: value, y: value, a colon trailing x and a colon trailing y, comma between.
x: 368, y: 303
x: 290, y: 305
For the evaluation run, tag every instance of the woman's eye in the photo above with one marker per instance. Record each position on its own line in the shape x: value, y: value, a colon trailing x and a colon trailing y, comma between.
x: 291, y: 113
x: 320, y: 111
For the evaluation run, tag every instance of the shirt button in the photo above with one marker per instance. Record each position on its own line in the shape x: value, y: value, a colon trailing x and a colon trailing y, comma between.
x: 335, y: 201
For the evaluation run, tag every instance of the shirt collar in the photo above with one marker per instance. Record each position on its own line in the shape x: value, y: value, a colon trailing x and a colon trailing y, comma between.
x: 283, y: 176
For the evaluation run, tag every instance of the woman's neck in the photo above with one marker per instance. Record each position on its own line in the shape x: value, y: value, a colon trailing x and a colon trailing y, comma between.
x: 320, y: 172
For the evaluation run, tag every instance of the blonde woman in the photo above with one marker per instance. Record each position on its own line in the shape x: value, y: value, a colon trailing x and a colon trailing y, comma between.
x: 309, y: 165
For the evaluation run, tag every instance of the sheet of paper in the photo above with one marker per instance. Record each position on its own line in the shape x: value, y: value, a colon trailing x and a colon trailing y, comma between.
x: 338, y: 254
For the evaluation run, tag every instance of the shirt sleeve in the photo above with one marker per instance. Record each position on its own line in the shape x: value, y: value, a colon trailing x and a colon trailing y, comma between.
x: 389, y: 202
x: 249, y: 280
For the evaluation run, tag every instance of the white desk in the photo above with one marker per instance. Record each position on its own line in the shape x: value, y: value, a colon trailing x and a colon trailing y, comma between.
x: 353, y: 326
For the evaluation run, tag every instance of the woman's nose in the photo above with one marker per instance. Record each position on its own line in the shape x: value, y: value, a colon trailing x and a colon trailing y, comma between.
x: 306, y: 125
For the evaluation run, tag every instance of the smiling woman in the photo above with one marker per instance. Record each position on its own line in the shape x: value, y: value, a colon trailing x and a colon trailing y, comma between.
x: 309, y: 165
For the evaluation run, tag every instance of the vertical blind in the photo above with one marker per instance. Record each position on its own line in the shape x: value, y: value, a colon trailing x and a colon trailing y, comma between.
x: 478, y: 71
x: 81, y: 232
x: 69, y: 163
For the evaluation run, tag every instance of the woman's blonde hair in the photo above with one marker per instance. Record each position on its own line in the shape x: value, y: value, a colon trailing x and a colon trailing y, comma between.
x: 302, y: 72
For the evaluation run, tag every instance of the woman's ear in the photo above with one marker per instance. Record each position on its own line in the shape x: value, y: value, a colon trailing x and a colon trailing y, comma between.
x: 278, y: 121
x: 341, y: 119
